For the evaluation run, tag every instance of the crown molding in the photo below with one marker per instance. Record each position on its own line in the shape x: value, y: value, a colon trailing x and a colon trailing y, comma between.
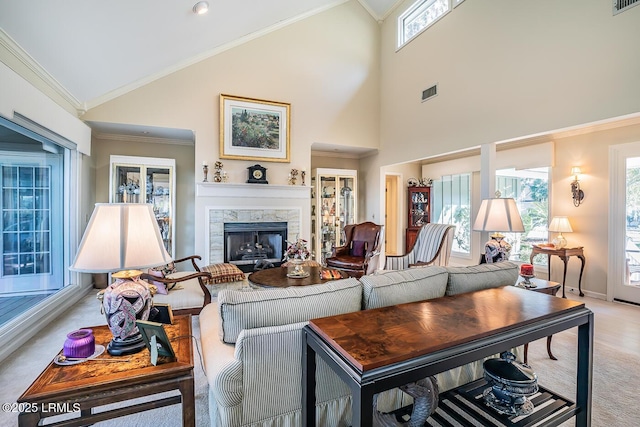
x: 139, y: 139
x: 38, y: 73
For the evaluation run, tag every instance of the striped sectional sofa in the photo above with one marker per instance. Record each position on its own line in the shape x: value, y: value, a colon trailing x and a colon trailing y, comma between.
x: 252, y: 342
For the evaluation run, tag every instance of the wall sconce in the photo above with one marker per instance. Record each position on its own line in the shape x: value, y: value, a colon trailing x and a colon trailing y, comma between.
x: 576, y: 192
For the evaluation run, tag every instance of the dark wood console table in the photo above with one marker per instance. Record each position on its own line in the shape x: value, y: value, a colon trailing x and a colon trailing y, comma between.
x: 564, y: 254
x: 379, y: 349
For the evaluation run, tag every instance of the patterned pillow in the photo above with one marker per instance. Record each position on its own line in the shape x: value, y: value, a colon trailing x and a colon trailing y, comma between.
x: 161, y: 287
x: 223, y: 273
x: 166, y: 269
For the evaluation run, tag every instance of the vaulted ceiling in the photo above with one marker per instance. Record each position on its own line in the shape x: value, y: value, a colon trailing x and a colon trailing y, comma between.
x: 96, y: 50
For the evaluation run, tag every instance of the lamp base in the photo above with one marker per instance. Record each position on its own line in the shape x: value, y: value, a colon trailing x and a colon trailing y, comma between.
x: 122, y: 347
x: 559, y: 242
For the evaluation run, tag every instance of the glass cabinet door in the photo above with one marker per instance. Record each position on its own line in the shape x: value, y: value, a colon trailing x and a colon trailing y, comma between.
x: 328, y: 215
x: 333, y: 205
x: 147, y: 180
x: 346, y: 203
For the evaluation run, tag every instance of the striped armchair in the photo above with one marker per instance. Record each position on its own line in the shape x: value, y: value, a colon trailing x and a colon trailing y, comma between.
x: 432, y: 247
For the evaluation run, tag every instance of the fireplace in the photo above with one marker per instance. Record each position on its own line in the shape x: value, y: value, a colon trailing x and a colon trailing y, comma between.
x: 246, y: 243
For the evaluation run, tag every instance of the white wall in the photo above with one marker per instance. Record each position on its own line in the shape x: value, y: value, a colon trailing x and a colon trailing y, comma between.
x: 185, y: 190
x: 506, y: 69
x: 326, y: 66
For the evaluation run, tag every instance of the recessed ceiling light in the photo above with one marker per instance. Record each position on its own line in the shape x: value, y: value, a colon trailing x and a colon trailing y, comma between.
x: 201, y: 7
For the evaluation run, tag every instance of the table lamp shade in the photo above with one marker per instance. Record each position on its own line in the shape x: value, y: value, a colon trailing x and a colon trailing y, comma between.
x: 560, y: 224
x: 123, y: 238
x: 120, y: 236
x: 499, y: 215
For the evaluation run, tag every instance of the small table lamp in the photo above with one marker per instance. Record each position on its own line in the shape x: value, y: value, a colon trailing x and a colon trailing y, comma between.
x: 498, y: 216
x: 560, y: 224
x: 122, y: 237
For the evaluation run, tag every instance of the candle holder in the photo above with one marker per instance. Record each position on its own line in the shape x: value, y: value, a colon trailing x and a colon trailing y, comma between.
x: 205, y: 171
x: 526, y: 271
x: 302, y: 175
x: 527, y: 283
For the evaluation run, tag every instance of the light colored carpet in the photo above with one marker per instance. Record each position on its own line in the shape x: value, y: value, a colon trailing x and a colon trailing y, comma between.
x: 616, y: 374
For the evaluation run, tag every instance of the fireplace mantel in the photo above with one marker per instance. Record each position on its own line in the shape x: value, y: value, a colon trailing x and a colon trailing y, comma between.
x: 230, y: 203
x: 220, y: 189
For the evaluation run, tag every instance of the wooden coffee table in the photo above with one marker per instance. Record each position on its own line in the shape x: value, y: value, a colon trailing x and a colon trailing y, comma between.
x: 82, y: 387
x: 379, y: 349
x: 277, y: 277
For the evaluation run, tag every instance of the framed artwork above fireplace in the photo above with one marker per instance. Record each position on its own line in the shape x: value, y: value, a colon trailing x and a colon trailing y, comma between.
x: 254, y: 129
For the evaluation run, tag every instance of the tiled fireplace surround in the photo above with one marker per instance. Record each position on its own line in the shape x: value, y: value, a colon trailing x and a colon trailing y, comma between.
x: 236, y: 203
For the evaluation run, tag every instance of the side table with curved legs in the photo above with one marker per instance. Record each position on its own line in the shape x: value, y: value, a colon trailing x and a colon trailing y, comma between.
x: 564, y: 254
x: 543, y: 287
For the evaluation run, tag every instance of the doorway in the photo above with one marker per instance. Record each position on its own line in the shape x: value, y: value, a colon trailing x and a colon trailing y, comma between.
x: 624, y: 224
x: 392, y: 216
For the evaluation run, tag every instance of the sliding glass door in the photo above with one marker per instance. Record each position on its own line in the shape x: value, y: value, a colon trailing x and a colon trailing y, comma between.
x: 32, y: 222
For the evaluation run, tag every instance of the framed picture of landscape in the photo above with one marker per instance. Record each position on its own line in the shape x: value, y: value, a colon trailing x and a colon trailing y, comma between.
x: 254, y: 129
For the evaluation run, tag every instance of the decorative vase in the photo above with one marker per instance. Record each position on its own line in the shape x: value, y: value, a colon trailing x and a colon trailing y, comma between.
x: 124, y: 302
x: 79, y: 344
x: 296, y: 268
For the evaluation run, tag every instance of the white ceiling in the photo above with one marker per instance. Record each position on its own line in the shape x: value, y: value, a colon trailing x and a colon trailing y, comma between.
x: 97, y: 50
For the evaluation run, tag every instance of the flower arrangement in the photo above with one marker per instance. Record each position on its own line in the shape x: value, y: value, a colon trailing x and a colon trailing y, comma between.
x: 297, y: 250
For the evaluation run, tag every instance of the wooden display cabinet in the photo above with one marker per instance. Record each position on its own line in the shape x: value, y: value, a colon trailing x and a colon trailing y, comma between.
x: 419, y: 201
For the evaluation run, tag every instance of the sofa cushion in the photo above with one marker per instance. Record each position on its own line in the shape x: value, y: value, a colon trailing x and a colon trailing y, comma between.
x: 483, y: 276
x: 398, y: 287
x: 182, y: 295
x: 223, y: 273
x: 245, y: 310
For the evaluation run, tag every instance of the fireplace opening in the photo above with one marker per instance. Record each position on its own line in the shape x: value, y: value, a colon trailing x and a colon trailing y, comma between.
x: 246, y: 243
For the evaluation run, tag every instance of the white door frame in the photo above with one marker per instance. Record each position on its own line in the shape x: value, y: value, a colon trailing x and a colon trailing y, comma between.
x: 618, y: 155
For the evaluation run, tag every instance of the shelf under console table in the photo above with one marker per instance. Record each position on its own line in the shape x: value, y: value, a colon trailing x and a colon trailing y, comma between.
x: 460, y: 329
x: 463, y: 405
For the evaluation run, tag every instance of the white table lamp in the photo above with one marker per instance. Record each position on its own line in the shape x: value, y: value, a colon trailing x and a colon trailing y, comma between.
x: 123, y: 238
x: 498, y: 216
x: 560, y: 224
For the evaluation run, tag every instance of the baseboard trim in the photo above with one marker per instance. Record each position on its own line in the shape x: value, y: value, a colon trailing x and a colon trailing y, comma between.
x: 19, y: 330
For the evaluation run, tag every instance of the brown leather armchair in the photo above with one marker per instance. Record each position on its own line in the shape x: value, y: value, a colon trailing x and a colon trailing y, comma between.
x: 360, y: 253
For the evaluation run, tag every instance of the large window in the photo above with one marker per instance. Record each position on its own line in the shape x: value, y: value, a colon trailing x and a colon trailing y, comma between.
x: 451, y: 204
x: 419, y: 17
x: 33, y: 196
x: 530, y: 189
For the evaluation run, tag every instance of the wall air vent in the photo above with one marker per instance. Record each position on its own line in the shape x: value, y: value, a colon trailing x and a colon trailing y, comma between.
x: 622, y: 5
x: 430, y: 92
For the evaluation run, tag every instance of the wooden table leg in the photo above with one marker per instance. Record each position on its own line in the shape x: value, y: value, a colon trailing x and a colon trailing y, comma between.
x: 581, y: 270
x: 564, y: 275
x: 551, y: 356
x: 188, y: 402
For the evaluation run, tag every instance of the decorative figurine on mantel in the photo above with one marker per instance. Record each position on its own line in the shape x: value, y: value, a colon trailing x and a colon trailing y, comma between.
x: 303, y: 173
x: 219, y: 173
x: 205, y: 171
x: 293, y: 175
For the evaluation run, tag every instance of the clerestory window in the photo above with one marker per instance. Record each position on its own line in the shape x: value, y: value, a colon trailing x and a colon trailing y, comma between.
x: 420, y: 16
